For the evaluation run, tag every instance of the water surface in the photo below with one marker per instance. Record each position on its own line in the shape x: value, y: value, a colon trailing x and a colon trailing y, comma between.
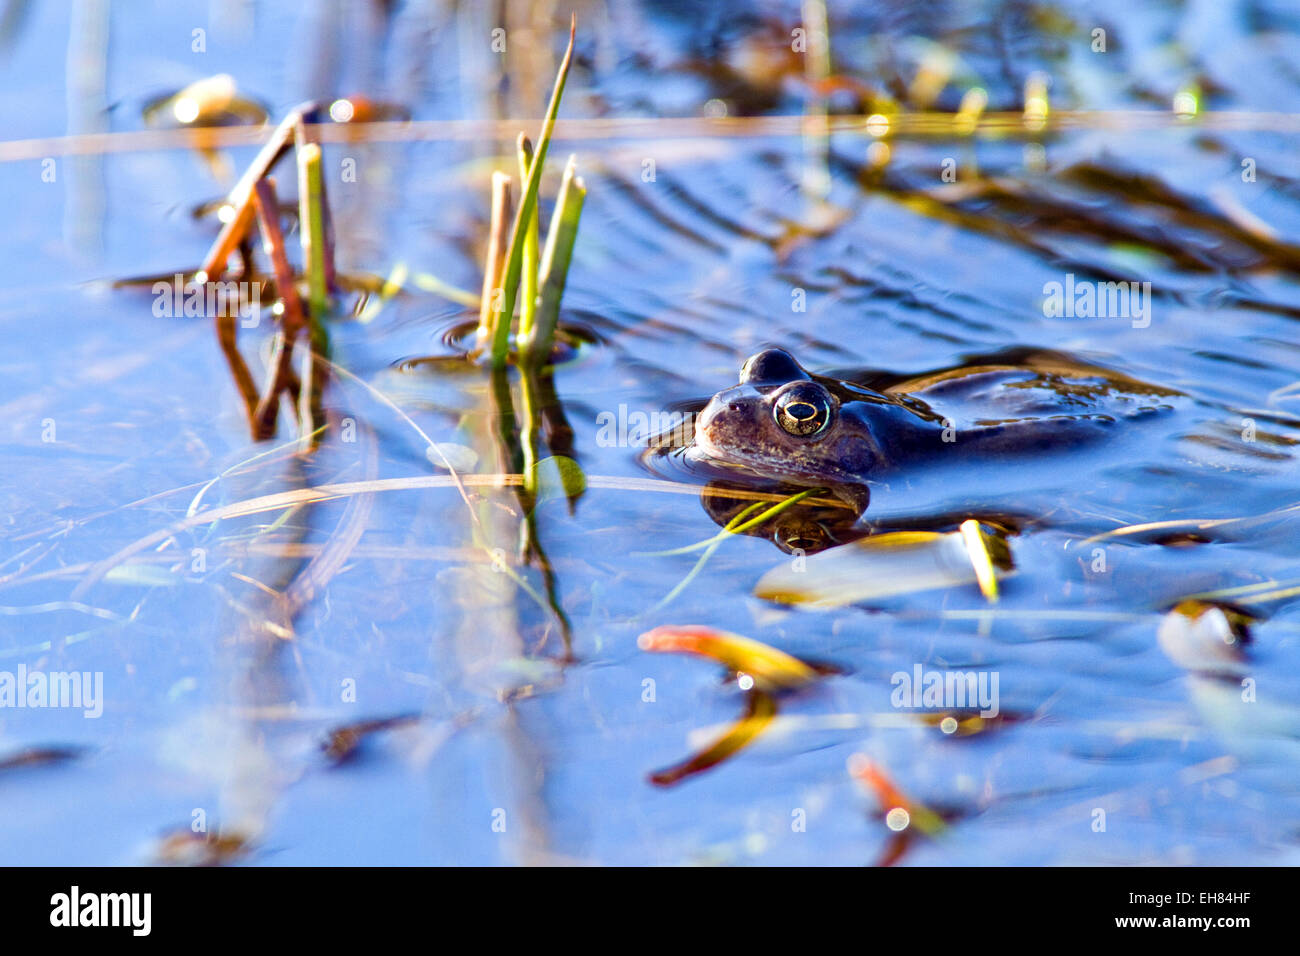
x: 678, y: 277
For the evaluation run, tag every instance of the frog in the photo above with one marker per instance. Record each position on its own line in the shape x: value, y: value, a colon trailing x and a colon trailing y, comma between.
x: 846, y: 432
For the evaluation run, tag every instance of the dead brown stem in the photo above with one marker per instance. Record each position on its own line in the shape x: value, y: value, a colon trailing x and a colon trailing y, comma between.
x: 291, y: 321
x: 495, y: 261
x: 225, y: 321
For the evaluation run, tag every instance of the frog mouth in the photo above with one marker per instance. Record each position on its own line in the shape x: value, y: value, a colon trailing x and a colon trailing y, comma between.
x: 727, y: 457
x: 705, y: 444
x: 747, y: 462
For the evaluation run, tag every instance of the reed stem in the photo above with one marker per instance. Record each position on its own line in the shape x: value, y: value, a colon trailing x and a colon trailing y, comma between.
x: 535, y: 347
x: 523, y: 216
x: 494, y: 261
x: 528, y: 277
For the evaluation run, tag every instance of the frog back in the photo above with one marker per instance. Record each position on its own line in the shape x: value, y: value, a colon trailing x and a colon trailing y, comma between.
x: 1019, y: 400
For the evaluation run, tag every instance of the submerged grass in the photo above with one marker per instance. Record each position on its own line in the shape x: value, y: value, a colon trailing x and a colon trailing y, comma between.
x: 737, y: 525
x: 740, y: 523
x: 891, y: 800
x: 288, y: 499
x: 761, y: 670
x: 427, y: 282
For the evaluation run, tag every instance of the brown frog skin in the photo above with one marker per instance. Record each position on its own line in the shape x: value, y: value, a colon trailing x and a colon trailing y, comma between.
x: 782, y: 423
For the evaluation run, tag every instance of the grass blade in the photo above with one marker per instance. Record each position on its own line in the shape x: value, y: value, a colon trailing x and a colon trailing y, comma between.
x: 214, y: 264
x: 529, y: 268
x: 427, y: 282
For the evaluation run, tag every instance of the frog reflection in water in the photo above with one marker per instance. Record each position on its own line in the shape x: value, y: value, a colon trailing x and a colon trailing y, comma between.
x: 782, y: 424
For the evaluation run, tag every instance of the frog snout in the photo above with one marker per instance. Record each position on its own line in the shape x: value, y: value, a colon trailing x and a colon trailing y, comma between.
x: 719, y: 424
x: 716, y: 412
x: 706, y: 421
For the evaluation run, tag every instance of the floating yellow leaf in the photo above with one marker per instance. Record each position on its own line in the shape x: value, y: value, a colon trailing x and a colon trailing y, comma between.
x: 887, y: 565
x: 900, y: 811
x: 761, y: 710
x: 769, y: 668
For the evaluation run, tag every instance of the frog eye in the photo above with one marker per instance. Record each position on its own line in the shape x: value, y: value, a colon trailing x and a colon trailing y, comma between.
x: 804, y: 410
x: 771, y: 367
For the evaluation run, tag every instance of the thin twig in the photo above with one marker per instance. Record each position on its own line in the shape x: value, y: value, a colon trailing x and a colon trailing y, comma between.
x: 242, y: 192
x: 291, y: 319
x: 223, y: 319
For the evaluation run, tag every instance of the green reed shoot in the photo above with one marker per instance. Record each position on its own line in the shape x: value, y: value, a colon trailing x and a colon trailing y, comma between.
x: 536, y: 337
x: 525, y: 216
x: 528, y: 273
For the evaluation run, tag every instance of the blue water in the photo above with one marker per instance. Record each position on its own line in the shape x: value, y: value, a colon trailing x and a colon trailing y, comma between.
x: 208, y: 716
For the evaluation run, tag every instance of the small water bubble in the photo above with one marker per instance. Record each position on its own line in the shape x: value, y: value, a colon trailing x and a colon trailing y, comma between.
x: 342, y: 111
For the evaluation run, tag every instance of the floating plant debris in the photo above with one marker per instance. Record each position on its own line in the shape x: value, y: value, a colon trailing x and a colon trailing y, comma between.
x: 39, y: 757
x: 1206, y: 638
x: 888, y: 565
x: 211, y: 101
x: 185, y: 847
x: 759, y: 711
x: 898, y: 810
x: 342, y: 743
x: 767, y: 668
x: 760, y: 670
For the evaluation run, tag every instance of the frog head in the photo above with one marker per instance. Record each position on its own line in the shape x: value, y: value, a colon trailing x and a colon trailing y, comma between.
x: 780, y: 423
